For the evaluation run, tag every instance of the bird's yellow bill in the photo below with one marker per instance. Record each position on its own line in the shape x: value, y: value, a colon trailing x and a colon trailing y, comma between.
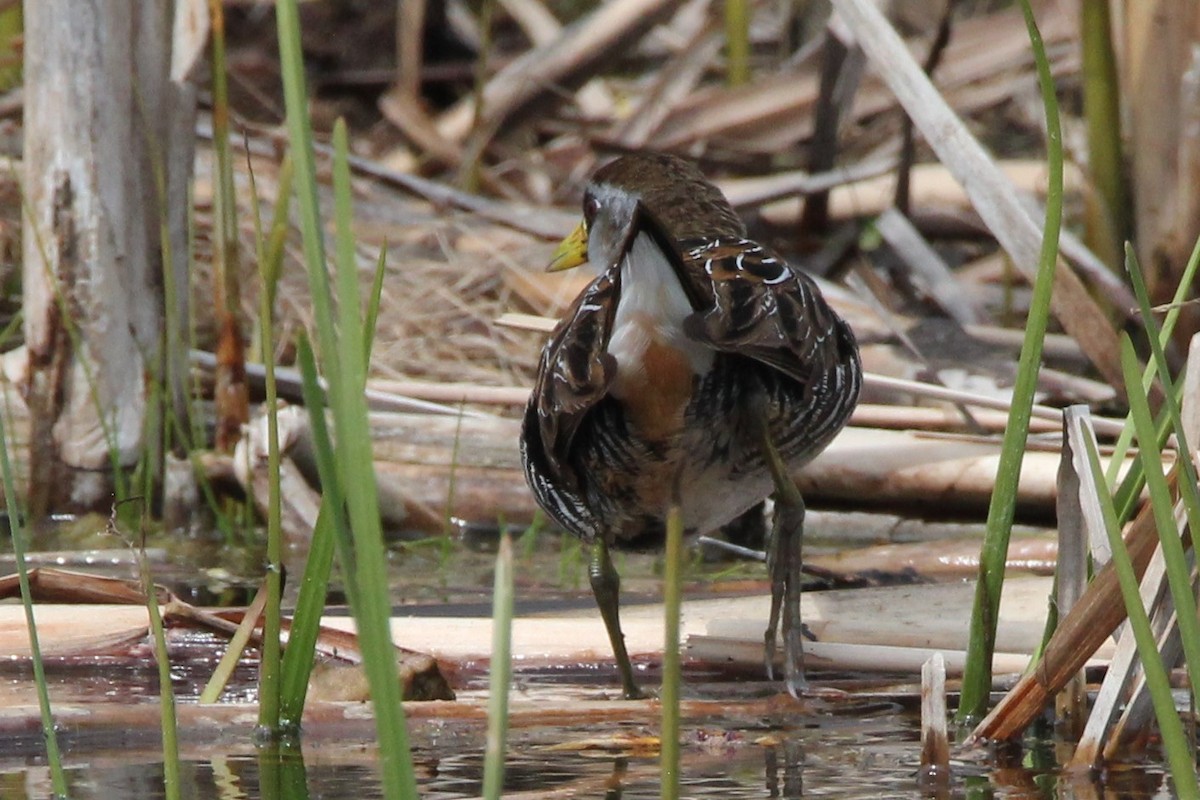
x: 572, y: 251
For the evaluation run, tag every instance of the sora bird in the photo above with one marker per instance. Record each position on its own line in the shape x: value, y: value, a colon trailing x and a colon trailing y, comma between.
x: 697, y: 369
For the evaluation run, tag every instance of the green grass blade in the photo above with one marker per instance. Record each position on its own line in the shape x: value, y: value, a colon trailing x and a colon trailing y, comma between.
x: 333, y: 501
x: 172, y: 782
x: 226, y: 233
x: 281, y: 771
x: 372, y: 314
x: 471, y: 169
x: 293, y: 774
x: 1171, y: 415
x: 1171, y: 392
x: 302, y: 636
x: 1175, y: 741
x: 977, y: 677
x: 1168, y: 329
x: 347, y: 474
x: 58, y: 779
x: 12, y: 44
x: 269, y: 663
x: 271, y: 263
x: 307, y: 199
x: 332, y: 531
x: 1178, y: 569
x: 373, y: 611
x: 501, y: 672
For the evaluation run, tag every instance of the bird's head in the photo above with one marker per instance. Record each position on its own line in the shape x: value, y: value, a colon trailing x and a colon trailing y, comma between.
x: 662, y: 195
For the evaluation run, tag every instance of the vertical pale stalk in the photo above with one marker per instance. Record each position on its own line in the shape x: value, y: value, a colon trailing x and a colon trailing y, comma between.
x: 737, y: 42
x: 669, y: 696
x: 232, y: 397
x: 501, y: 672
x: 1108, y: 219
x: 934, y: 776
x: 269, y: 677
x: 469, y: 170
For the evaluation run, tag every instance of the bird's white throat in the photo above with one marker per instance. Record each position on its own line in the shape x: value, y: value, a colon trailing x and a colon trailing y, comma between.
x: 651, y: 310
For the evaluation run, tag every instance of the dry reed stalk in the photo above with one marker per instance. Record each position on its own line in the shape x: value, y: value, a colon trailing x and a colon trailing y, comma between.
x: 898, y: 626
x: 405, y: 112
x: 992, y: 195
x: 932, y: 185
x: 1124, y: 667
x: 672, y: 84
x: 419, y: 456
x: 1078, y: 513
x: 1089, y: 625
x: 987, y: 62
x: 935, y: 741
x: 577, y: 54
x: 928, y: 267
x: 593, y: 98
x: 1160, y: 37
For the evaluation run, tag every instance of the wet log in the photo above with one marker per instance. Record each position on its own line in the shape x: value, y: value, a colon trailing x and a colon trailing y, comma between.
x: 431, y: 468
x: 881, y: 629
x: 70, y: 627
x: 943, y: 559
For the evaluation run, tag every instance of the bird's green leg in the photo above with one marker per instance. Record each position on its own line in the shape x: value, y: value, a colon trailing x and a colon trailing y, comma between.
x: 785, y: 558
x: 606, y: 586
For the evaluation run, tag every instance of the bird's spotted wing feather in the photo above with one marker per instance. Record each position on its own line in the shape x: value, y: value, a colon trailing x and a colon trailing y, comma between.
x: 575, y: 371
x: 762, y: 308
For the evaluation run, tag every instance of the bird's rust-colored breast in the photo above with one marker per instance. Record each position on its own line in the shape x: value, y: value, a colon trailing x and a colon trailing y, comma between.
x: 655, y: 386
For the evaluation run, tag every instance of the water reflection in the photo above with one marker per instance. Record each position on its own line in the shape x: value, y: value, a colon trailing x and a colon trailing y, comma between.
x: 834, y: 757
x: 281, y: 772
x: 785, y: 771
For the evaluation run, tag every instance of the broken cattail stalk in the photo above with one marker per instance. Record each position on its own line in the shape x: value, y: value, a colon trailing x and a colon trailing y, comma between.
x: 1137, y: 712
x: 1122, y: 670
x: 1072, y: 571
x: 1090, y: 623
x: 935, y: 742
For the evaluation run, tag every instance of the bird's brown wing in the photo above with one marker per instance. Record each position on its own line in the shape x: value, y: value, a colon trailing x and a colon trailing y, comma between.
x: 761, y: 308
x: 575, y: 371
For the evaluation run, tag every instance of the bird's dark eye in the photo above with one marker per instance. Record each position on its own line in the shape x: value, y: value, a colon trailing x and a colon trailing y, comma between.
x: 591, y: 207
